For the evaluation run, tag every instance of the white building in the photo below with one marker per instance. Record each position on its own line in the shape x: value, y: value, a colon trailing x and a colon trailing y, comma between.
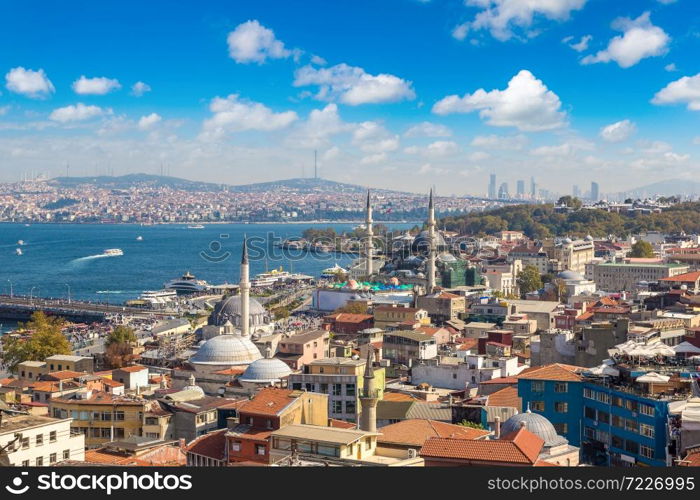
x: 40, y: 441
x: 459, y: 374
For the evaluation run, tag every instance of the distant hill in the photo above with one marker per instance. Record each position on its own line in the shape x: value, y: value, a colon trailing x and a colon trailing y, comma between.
x: 132, y: 180
x: 669, y: 187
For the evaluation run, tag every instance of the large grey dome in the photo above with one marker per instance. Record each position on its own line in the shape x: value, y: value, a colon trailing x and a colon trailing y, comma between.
x: 535, y: 423
x: 229, y: 309
x: 421, y: 243
x: 266, y: 370
x: 226, y: 350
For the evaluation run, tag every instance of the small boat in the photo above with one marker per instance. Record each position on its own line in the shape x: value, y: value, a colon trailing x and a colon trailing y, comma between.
x: 20, y: 242
x: 18, y: 251
x: 333, y: 272
x: 196, y: 226
x: 139, y: 238
x: 113, y: 252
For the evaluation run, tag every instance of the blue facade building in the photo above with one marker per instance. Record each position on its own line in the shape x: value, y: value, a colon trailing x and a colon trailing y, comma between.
x: 621, y: 428
x: 555, y: 392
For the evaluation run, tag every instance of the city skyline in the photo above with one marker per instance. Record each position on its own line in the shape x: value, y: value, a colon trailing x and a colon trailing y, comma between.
x: 252, y: 92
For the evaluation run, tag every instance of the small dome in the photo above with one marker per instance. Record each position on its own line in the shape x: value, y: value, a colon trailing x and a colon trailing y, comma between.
x: 535, y: 423
x: 226, y: 350
x: 589, y: 238
x: 266, y: 370
x: 567, y: 241
x: 570, y: 275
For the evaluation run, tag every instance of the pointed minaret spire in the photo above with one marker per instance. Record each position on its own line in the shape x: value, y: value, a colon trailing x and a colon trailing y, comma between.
x: 244, y: 287
x: 431, y: 243
x: 370, y: 235
x: 369, y: 399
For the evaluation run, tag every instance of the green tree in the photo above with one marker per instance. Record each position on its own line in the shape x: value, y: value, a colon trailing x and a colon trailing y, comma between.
x: 473, y: 425
x: 529, y: 280
x: 641, y: 249
x: 352, y: 308
x: 570, y: 201
x: 121, y: 335
x: 45, y: 339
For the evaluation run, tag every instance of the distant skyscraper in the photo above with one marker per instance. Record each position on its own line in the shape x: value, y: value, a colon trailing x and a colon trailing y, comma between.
x: 576, y: 192
x: 533, y: 188
x: 492, y: 186
x: 521, y: 189
x: 595, y: 193
x: 503, y: 191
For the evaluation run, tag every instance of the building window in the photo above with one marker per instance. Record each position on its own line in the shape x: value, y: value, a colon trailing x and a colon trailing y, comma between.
x: 52, y: 458
x: 323, y: 389
x: 52, y: 437
x: 235, y: 446
x: 588, y: 393
x: 646, y: 430
x: 603, y: 417
x: 336, y: 407
x: 25, y: 463
x: 589, y: 412
x: 350, y: 407
x: 561, y: 407
x: 645, y: 409
x: 646, y: 452
x: 66, y: 454
x: 39, y: 461
x: 39, y: 439
x: 632, y: 447
x: 537, y: 386
x: 561, y: 387
x: 25, y: 443
x: 337, y: 389
x: 260, y: 449
x: 537, y: 405
x: 350, y: 390
x: 561, y: 428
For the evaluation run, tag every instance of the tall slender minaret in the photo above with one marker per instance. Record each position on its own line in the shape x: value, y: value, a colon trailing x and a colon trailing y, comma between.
x: 369, y: 399
x: 431, y: 242
x: 370, y: 236
x: 245, y: 290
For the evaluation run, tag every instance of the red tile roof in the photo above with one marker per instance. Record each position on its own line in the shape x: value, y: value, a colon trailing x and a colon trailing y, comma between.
x: 270, y: 401
x: 522, y: 447
x: 691, y: 277
x: 415, y: 432
x: 212, y: 445
x: 508, y: 396
x: 556, y: 371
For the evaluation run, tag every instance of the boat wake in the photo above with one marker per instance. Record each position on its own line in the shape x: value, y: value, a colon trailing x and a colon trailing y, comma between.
x: 117, y: 292
x: 92, y: 257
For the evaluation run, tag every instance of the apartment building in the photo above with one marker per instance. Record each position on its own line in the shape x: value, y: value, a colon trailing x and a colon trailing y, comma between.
x: 39, y: 441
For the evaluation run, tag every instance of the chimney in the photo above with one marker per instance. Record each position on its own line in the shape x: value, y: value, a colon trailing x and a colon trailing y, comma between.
x: 498, y: 427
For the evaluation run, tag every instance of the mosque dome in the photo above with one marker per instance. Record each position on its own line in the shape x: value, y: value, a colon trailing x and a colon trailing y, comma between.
x: 226, y: 350
x: 535, y: 423
x: 421, y: 242
x: 266, y: 370
x: 229, y: 309
x: 570, y: 275
x: 589, y: 238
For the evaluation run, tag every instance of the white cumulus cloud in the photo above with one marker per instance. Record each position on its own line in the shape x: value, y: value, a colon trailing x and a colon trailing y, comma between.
x: 352, y: 85
x: 95, y: 86
x: 30, y: 83
x: 640, y: 39
x: 502, y: 17
x: 526, y: 104
x: 372, y: 137
x: 684, y: 90
x: 148, y: 121
x: 316, y: 131
x: 579, y: 46
x: 232, y: 114
x: 140, y: 88
x: 618, y: 131
x: 253, y: 42
x: 428, y: 129
x: 75, y: 113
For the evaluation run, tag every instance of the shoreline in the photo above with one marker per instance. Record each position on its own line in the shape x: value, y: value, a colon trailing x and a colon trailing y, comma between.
x: 44, y: 223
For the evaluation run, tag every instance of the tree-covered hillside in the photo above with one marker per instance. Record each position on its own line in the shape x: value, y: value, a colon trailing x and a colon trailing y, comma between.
x: 542, y: 221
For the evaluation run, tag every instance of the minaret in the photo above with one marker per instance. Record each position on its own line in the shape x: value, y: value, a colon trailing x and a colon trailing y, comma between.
x: 369, y: 399
x: 370, y: 236
x: 431, y: 242
x: 244, y: 287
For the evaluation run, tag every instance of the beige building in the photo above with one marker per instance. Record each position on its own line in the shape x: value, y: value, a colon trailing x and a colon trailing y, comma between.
x: 618, y: 276
x: 571, y: 254
x: 385, y: 316
x: 39, y: 441
x: 442, y: 306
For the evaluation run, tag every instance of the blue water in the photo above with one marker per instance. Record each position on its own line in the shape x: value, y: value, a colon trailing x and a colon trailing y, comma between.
x: 62, y: 258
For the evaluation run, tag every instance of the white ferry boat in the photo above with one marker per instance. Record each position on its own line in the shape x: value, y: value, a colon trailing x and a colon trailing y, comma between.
x: 159, y: 297
x: 187, y: 283
x: 333, y: 272
x: 196, y: 226
x: 270, y: 278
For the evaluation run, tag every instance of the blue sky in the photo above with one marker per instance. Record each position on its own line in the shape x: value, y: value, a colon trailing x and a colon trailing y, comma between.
x: 401, y: 93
